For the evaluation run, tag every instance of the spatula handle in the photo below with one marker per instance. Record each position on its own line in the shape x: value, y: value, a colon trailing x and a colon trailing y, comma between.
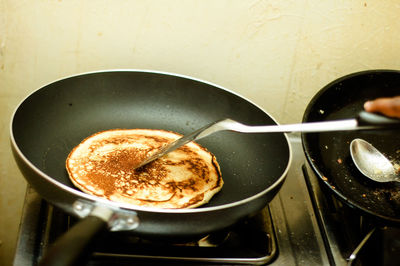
x: 372, y: 119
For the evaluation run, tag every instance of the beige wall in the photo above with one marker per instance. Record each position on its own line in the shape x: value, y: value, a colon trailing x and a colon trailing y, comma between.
x: 276, y: 53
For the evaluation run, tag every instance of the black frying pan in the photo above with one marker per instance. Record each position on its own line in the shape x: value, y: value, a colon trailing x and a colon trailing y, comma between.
x: 55, y: 118
x: 329, y: 154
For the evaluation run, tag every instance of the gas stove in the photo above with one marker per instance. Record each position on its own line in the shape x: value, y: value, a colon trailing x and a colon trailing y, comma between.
x: 302, y: 225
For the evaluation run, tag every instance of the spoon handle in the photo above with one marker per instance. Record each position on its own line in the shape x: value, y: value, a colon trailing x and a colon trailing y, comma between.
x: 377, y: 121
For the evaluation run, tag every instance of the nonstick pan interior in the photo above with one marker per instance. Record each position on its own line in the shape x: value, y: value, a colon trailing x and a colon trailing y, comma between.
x: 55, y: 118
x: 329, y: 154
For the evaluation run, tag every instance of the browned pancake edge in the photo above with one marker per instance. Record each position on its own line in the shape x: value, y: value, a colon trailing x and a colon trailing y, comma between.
x: 102, y: 165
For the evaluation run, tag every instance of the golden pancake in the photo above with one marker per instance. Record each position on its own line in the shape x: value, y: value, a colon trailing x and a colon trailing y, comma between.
x: 103, y: 165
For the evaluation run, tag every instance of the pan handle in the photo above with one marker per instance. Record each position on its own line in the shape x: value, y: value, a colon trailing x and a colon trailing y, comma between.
x: 73, y: 246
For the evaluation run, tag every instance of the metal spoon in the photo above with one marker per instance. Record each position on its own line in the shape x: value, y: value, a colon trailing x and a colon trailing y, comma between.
x: 371, y: 162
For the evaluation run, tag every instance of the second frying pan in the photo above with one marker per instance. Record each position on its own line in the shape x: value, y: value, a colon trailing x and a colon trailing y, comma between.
x: 329, y: 154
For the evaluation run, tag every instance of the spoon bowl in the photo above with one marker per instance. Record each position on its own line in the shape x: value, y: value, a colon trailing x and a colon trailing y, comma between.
x: 371, y: 162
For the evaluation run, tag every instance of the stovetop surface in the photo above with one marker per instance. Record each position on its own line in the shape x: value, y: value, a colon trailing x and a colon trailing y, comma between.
x: 296, y: 233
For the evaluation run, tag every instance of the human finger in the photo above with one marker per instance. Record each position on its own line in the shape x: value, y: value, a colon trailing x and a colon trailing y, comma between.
x: 387, y: 106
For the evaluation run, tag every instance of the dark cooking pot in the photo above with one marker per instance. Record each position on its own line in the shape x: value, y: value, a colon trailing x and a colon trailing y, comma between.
x: 328, y: 153
x: 55, y: 118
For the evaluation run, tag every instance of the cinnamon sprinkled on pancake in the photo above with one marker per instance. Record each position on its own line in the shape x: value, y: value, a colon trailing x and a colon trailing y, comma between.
x: 102, y: 165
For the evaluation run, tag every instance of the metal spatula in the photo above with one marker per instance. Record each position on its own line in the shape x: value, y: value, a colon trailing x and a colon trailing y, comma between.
x: 363, y: 121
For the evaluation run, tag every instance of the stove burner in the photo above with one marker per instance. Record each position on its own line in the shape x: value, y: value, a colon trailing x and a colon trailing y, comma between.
x: 249, y: 242
x: 353, y: 238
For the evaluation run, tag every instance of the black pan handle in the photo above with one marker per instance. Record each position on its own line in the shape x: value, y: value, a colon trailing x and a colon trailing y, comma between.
x: 372, y: 119
x: 73, y: 247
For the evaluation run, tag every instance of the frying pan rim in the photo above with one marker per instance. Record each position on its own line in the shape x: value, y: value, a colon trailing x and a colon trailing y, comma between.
x: 116, y: 205
x: 340, y: 195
